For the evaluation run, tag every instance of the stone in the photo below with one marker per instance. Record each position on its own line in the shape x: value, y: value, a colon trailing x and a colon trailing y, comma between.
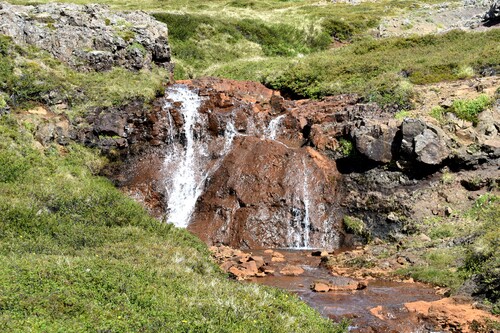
x: 410, y: 128
x: 250, y: 268
x: 430, y: 148
x: 376, y: 141
x: 259, y: 261
x: 320, y: 287
x: 237, y: 272
x: 226, y: 266
x: 133, y: 40
x: 291, y: 270
x: 278, y: 259
x: 362, y: 285
x: 448, y: 211
x: 424, y: 238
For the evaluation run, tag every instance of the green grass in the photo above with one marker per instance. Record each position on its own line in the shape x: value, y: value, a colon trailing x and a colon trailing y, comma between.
x: 466, y: 109
x: 384, y: 70
x: 78, y: 256
x: 28, y: 76
x: 451, y: 265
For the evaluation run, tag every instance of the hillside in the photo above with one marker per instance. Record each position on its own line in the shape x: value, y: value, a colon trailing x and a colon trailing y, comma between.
x: 87, y: 126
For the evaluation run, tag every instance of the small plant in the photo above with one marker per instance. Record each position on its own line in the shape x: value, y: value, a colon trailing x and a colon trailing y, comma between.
x: 465, y: 72
x: 357, y: 227
x: 447, y: 178
x: 469, y: 109
x: 400, y: 115
x: 346, y: 147
x: 3, y: 103
x: 437, y: 113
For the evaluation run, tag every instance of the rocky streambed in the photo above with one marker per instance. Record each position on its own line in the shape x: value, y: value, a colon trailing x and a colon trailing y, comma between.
x: 373, y: 300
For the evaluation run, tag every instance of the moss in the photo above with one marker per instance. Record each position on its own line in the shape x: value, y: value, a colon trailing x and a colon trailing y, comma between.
x: 357, y: 227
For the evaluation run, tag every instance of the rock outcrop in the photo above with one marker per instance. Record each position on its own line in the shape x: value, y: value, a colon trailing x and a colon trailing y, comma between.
x: 492, y: 16
x: 89, y: 37
x: 266, y: 194
x: 272, y: 163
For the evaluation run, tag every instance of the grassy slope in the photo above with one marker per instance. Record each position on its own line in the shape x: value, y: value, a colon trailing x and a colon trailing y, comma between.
x: 285, y: 45
x: 77, y: 255
x: 28, y: 75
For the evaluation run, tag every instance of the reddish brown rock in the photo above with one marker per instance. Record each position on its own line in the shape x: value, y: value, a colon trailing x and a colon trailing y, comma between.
x: 292, y: 270
x: 259, y: 261
x: 257, y: 193
x: 238, y: 273
x: 250, y: 268
x: 452, y: 314
x: 320, y: 287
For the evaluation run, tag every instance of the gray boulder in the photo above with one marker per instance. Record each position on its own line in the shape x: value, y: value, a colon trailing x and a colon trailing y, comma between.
x: 376, y: 141
x: 89, y: 37
x: 424, y: 142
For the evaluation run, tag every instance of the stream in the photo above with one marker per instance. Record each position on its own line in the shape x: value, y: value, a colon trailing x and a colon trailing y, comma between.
x: 377, y: 308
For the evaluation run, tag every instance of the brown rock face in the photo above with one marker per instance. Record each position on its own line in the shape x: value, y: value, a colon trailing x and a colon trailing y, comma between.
x: 239, y: 165
x: 266, y: 194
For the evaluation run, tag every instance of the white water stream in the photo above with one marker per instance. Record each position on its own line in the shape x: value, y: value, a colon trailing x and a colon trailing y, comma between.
x: 190, y: 160
x: 188, y: 163
x: 273, y: 127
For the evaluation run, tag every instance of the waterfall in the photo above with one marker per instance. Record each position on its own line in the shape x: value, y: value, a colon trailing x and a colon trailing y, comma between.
x: 306, y: 223
x: 300, y: 224
x: 188, y: 160
x: 272, y: 129
x: 195, y: 149
x: 182, y: 187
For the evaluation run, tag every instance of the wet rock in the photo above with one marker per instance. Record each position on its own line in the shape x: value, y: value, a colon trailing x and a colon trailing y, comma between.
x: 133, y: 40
x: 320, y: 287
x: 351, y: 285
x: 240, y: 264
x: 277, y: 257
x: 256, y: 198
x: 292, y: 270
x: 320, y: 254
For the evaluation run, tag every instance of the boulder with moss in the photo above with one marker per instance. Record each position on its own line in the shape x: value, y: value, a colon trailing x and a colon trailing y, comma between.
x: 89, y: 37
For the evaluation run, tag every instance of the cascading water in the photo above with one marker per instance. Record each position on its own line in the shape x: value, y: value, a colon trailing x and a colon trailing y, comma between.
x: 305, y: 193
x: 300, y: 224
x: 188, y: 161
x: 197, y: 148
x: 272, y: 129
x: 183, y: 184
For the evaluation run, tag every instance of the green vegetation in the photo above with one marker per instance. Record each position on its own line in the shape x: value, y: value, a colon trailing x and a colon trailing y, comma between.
x: 470, y: 109
x: 346, y: 147
x: 77, y: 255
x: 357, y: 227
x: 482, y: 256
x: 452, y: 265
x: 384, y: 70
x: 288, y: 45
x: 466, y: 109
x: 201, y: 41
x: 30, y: 76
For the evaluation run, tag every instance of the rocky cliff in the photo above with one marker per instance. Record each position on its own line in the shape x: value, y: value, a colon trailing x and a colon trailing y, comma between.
x: 89, y: 37
x: 271, y: 162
